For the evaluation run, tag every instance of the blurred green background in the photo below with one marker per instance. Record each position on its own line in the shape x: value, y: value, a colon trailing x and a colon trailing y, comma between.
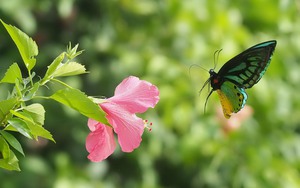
x: 158, y: 41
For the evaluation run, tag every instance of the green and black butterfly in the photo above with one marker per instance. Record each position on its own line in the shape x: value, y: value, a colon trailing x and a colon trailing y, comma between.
x: 240, y: 73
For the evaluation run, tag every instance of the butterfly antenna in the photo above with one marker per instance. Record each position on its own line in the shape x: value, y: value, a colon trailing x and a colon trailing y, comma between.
x: 216, y: 58
x: 195, y: 65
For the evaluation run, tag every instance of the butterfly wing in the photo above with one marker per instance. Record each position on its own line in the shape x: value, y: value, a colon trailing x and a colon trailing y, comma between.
x: 232, y: 97
x: 247, y: 68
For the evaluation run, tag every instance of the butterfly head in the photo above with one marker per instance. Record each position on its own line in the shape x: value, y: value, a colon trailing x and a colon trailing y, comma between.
x: 214, y: 80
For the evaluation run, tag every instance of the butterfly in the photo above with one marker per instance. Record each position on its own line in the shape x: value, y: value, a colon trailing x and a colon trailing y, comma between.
x: 240, y: 73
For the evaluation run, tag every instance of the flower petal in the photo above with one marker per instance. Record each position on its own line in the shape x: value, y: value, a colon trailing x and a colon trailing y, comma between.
x: 92, y: 124
x: 135, y: 95
x: 100, y: 143
x: 128, y: 126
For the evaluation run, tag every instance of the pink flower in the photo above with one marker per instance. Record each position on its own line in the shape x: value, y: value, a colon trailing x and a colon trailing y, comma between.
x: 131, y: 96
x: 100, y: 136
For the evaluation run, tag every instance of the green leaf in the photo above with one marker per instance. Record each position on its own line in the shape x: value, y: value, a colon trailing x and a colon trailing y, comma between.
x: 31, y: 93
x: 72, y: 52
x: 16, y: 124
x: 37, y: 113
x: 69, y: 69
x: 12, y: 141
x: 6, y: 106
x: 35, y: 129
x: 52, y: 67
x: 26, y: 46
x: 12, y: 73
x: 80, y: 102
x: 10, y: 163
x: 9, y: 160
x: 22, y: 115
x: 18, y: 89
x: 4, y: 148
x: 38, y: 131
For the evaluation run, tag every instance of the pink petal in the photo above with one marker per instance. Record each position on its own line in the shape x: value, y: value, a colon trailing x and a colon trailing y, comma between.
x: 100, y: 142
x: 92, y: 124
x: 135, y: 95
x: 128, y: 126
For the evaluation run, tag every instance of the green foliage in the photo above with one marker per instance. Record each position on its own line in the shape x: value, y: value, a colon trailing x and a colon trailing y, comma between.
x: 8, y: 160
x: 5, y: 107
x: 77, y: 100
x: 17, y: 115
x: 159, y: 41
x: 69, y: 69
x: 26, y: 46
x: 12, y: 73
x: 52, y: 67
x: 12, y: 141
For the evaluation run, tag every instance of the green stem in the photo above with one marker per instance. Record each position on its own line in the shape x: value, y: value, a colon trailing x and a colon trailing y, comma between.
x: 29, y: 73
x: 40, y: 97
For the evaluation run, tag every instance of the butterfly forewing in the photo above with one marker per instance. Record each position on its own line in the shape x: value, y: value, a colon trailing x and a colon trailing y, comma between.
x: 247, y: 68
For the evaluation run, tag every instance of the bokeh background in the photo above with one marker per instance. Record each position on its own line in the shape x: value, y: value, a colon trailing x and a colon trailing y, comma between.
x: 158, y: 41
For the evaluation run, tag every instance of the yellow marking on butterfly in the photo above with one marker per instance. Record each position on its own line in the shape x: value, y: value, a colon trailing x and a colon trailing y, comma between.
x: 226, y: 105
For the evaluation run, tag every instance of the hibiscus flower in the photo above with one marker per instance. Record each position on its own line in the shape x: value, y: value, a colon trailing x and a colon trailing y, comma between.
x: 131, y: 96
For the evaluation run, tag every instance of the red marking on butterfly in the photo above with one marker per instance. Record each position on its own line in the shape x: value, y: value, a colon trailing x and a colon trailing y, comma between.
x: 216, y: 81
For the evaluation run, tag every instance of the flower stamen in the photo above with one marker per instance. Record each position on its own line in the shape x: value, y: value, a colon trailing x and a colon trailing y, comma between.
x: 148, y: 125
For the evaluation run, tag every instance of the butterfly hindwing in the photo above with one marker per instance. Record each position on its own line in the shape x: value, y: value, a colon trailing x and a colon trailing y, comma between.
x: 247, y: 68
x: 232, y: 98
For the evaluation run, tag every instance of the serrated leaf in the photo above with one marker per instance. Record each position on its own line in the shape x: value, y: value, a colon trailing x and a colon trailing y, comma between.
x: 6, y: 106
x: 12, y: 73
x: 77, y: 100
x: 20, y: 126
x: 69, y: 69
x: 12, y: 163
x: 26, y: 46
x: 37, y: 113
x: 38, y: 131
x: 12, y: 141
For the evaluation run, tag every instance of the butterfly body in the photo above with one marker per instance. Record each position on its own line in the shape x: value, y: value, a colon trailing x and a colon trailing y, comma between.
x: 240, y: 73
